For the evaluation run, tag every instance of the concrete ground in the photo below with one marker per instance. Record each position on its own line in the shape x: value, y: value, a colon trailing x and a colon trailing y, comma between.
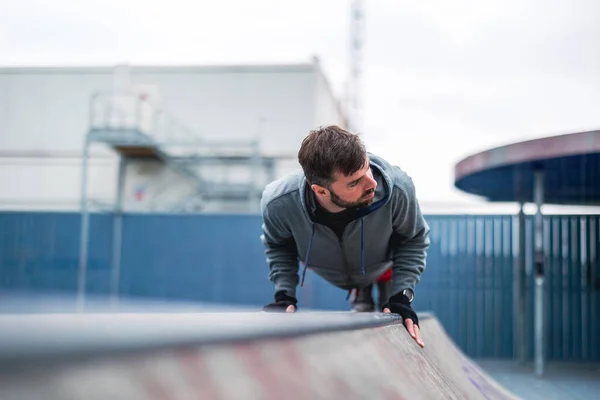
x: 560, y: 381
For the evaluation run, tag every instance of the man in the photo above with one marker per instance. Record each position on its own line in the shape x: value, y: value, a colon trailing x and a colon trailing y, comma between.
x: 350, y: 217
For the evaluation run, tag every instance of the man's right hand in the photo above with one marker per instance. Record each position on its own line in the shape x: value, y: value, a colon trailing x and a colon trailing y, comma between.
x: 400, y: 304
x: 283, y: 303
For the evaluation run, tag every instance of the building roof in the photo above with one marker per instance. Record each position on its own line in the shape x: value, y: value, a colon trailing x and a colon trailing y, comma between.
x: 183, y: 68
x: 571, y: 165
x: 311, y: 66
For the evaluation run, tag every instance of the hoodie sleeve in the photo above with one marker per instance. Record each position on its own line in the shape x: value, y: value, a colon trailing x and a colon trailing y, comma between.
x: 280, y: 249
x: 410, y: 240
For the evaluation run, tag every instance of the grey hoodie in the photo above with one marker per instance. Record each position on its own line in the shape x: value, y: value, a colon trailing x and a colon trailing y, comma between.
x: 390, y: 232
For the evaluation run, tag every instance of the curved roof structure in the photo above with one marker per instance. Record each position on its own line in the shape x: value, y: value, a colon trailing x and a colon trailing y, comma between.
x: 571, y: 165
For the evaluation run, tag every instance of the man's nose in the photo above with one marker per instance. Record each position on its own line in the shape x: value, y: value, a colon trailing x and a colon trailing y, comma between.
x: 371, y: 183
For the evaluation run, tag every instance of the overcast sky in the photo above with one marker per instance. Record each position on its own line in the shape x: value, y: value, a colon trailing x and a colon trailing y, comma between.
x: 443, y: 79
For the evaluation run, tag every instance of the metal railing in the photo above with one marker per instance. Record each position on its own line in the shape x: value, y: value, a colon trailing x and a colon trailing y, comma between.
x: 131, y: 111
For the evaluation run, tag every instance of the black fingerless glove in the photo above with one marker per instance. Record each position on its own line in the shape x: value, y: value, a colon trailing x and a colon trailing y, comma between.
x: 282, y: 302
x: 400, y: 304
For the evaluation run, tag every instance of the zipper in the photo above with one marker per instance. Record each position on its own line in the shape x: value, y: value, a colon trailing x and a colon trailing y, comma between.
x: 341, y: 243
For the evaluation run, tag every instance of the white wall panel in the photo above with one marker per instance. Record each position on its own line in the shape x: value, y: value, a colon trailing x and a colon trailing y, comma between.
x: 275, y: 104
x: 54, y: 182
x: 47, y: 108
x: 327, y: 110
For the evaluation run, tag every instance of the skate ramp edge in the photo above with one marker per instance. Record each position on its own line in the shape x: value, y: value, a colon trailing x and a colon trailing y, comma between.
x: 369, y: 357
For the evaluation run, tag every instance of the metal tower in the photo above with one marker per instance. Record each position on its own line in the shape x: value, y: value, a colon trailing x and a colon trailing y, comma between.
x: 357, y: 15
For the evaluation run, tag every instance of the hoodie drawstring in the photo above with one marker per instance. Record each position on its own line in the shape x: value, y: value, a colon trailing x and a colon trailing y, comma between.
x: 362, y: 260
x: 362, y: 252
x: 355, y: 290
x: 362, y: 247
x: 312, y: 235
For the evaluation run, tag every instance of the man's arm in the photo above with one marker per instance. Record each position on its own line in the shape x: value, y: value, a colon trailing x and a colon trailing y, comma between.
x: 410, y: 243
x: 411, y: 240
x: 280, y: 250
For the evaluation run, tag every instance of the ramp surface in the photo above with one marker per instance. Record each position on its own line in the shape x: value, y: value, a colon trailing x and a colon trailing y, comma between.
x: 232, y: 356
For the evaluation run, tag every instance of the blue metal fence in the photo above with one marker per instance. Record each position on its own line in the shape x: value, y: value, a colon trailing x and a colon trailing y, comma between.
x: 468, y: 283
x: 40, y: 251
x: 219, y: 258
x: 572, y: 295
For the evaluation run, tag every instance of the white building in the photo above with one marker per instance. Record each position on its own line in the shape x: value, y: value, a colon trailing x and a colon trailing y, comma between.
x: 46, y: 114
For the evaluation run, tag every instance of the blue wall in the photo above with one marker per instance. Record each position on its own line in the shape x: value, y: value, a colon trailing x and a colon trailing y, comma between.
x: 219, y: 258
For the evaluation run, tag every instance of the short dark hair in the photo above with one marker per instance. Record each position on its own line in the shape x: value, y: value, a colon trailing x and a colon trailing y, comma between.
x: 330, y: 149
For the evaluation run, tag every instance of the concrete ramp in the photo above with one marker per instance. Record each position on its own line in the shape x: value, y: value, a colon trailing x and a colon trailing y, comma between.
x: 232, y: 356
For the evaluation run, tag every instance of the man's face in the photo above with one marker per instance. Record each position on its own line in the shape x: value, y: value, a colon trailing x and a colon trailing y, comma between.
x: 356, y: 190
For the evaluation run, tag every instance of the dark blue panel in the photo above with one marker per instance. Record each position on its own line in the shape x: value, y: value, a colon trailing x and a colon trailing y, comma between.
x: 214, y: 258
x: 594, y: 287
x: 568, y: 180
x: 40, y: 251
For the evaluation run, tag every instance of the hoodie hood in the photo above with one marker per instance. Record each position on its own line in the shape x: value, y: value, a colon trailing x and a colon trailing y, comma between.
x: 382, y: 192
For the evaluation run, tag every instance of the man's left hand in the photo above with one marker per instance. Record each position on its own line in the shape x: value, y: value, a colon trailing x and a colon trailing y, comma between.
x: 400, y: 304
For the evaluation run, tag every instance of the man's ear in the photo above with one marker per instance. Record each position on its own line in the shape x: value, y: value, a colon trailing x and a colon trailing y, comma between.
x: 319, y: 190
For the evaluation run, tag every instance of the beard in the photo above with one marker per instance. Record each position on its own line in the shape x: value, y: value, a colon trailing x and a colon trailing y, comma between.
x: 361, y: 202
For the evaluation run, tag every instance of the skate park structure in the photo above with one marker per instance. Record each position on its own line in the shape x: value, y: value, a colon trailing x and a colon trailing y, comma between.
x: 150, y: 351
x: 558, y: 170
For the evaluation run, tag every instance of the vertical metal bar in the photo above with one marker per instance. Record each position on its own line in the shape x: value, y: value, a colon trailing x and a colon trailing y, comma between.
x: 584, y: 286
x: 548, y: 282
x: 553, y: 269
x: 564, y: 287
x: 138, y: 115
x: 594, y: 290
x: 487, y: 283
x: 520, y: 288
x: 574, y: 289
x: 85, y: 217
x: 108, y: 113
x: 538, y: 193
x: 117, y: 232
x: 256, y: 190
x: 507, y: 278
x: 456, y: 309
x: 496, y: 265
x: 84, y: 231
x: 462, y: 263
x: 450, y: 270
x: 469, y: 285
x: 479, y: 288
x: 93, y: 105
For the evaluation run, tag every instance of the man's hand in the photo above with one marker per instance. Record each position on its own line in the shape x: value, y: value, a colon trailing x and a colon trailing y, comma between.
x: 283, y: 303
x: 400, y: 304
